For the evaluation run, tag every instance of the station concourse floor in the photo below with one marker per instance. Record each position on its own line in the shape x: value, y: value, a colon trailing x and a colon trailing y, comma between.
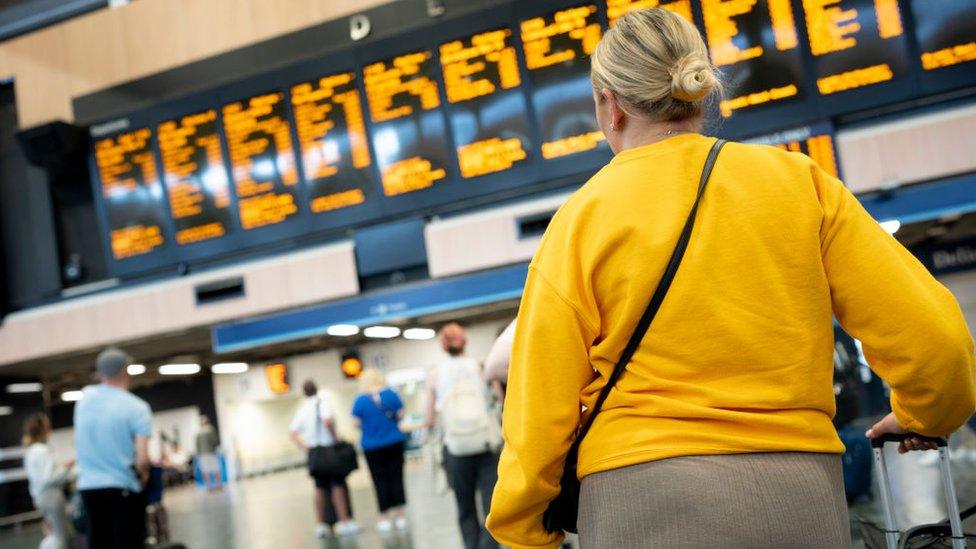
x: 274, y: 511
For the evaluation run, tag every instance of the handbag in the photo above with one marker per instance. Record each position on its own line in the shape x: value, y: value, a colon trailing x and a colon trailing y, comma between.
x: 561, y: 514
x: 337, y: 460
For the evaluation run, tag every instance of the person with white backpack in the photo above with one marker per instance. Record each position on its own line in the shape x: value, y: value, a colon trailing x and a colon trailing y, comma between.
x: 459, y: 397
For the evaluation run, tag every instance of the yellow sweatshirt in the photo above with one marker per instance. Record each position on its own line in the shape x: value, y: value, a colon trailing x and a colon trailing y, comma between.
x: 740, y: 356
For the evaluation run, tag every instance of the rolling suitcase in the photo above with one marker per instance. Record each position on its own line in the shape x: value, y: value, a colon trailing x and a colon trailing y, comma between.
x: 948, y: 533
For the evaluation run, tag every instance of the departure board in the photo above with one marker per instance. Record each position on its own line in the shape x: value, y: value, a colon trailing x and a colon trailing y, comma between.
x: 946, y: 31
x: 131, y: 193
x: 195, y: 177
x: 408, y: 134
x: 815, y: 141
x: 333, y: 142
x: 755, y: 44
x: 618, y: 8
x: 482, y: 79
x: 557, y: 49
x: 262, y: 160
x: 855, y: 43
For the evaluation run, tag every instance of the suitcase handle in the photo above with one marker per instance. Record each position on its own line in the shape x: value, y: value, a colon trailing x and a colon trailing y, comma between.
x: 890, y: 437
x: 952, y: 505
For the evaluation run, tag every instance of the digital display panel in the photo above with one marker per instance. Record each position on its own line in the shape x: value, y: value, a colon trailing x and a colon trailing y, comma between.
x: 755, y: 44
x: 815, y: 141
x: 557, y: 49
x: 482, y: 79
x: 333, y: 141
x: 408, y: 134
x: 946, y: 31
x: 855, y: 43
x: 262, y: 160
x: 195, y: 177
x: 131, y: 193
x: 618, y: 8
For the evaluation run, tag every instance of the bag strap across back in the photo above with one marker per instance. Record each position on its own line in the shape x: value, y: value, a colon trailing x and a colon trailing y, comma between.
x: 652, y: 307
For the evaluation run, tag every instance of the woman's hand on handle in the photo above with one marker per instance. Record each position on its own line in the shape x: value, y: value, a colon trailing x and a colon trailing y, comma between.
x: 889, y: 425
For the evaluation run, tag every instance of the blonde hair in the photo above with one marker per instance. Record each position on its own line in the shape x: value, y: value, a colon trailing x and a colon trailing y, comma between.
x: 656, y: 61
x: 372, y: 380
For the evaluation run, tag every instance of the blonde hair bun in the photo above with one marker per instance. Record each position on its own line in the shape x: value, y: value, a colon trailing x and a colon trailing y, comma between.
x: 693, y: 79
x: 656, y: 61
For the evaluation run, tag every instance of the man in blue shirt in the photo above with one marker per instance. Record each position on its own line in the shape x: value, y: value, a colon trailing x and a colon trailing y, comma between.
x: 112, y: 429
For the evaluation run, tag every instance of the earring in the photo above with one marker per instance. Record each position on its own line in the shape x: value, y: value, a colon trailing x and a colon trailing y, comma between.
x: 613, y: 128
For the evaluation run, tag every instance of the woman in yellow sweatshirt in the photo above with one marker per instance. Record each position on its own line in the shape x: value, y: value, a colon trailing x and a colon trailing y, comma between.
x: 719, y: 432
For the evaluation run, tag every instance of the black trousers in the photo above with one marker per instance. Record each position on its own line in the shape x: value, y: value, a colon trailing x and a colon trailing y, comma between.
x: 386, y: 468
x: 469, y: 475
x: 116, y: 518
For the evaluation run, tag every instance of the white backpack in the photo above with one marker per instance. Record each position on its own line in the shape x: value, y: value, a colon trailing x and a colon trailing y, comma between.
x: 469, y: 425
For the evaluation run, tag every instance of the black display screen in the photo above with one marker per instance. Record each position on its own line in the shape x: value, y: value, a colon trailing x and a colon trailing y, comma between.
x: 557, y: 48
x: 815, y: 141
x: 333, y: 142
x: 489, y: 121
x: 408, y: 133
x: 755, y: 44
x: 132, y: 195
x: 262, y: 160
x: 323, y: 137
x: 195, y: 177
x: 946, y: 31
x: 855, y: 43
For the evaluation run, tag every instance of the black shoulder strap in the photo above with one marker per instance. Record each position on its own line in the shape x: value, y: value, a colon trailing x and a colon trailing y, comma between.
x: 656, y: 299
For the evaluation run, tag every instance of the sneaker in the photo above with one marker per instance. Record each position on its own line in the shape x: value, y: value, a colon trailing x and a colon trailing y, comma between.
x: 401, y: 523
x: 384, y: 527
x: 322, y: 530
x: 348, y: 528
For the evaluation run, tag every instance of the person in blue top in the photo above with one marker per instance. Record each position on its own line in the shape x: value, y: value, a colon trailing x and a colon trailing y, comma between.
x: 112, y: 428
x: 378, y: 411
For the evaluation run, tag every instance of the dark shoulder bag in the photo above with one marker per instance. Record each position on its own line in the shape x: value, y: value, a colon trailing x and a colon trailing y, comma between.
x: 562, y: 511
x: 337, y: 460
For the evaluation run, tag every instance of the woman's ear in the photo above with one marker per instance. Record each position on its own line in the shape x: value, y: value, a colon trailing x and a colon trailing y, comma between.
x: 613, y: 107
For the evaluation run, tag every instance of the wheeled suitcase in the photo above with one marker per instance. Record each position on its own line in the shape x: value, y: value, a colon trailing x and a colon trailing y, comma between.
x: 948, y: 533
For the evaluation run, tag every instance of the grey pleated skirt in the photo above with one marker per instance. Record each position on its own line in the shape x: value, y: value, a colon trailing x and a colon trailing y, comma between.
x: 793, y: 500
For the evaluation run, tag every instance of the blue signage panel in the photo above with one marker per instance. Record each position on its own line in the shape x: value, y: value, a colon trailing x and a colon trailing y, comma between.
x: 405, y: 302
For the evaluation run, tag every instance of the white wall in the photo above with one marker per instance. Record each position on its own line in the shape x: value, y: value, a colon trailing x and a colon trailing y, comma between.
x: 255, y: 423
x: 185, y: 420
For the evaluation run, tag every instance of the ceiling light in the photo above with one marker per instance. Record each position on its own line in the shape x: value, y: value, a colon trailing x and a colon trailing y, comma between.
x: 229, y: 368
x: 179, y: 369
x: 342, y: 330
x: 419, y: 333
x: 382, y: 332
x: 891, y: 226
x: 136, y: 369
x: 71, y: 396
x: 6, y: 410
x: 24, y: 388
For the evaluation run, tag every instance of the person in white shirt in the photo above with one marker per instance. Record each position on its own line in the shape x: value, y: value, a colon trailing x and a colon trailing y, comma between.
x: 312, y: 426
x: 46, y: 480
